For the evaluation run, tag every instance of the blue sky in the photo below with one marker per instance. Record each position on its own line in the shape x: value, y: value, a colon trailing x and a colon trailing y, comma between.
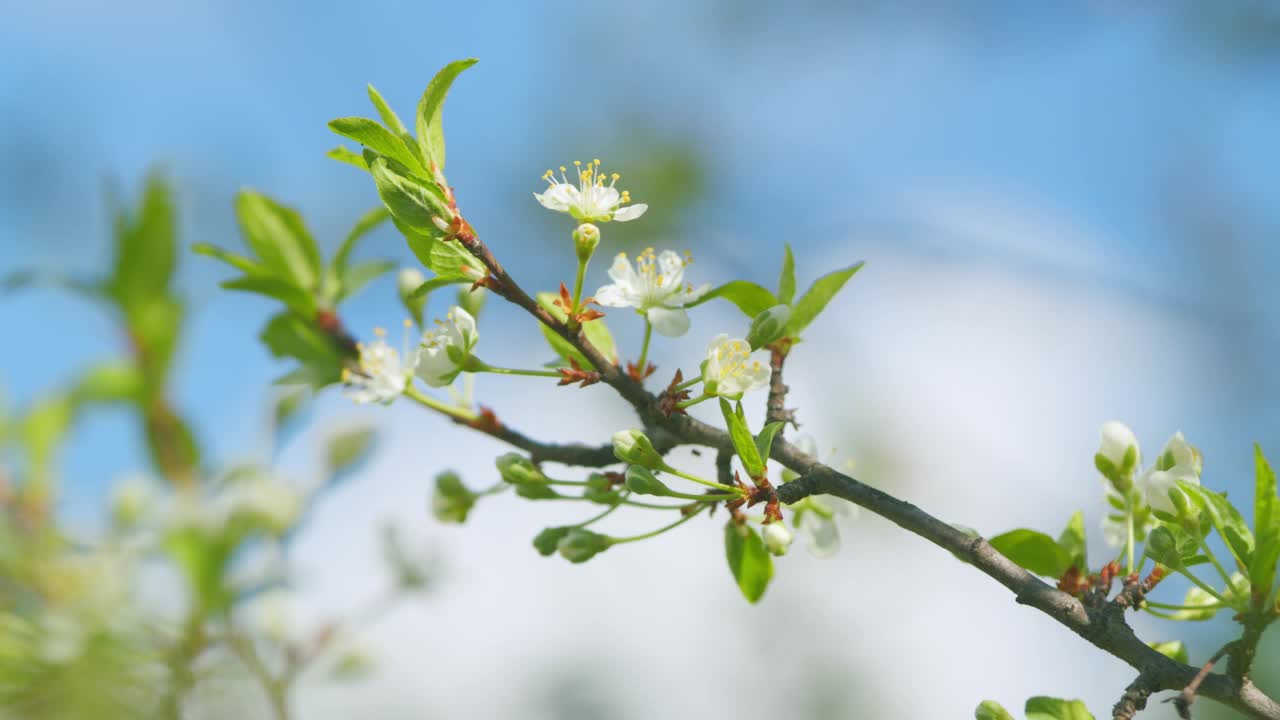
x: 1101, y: 150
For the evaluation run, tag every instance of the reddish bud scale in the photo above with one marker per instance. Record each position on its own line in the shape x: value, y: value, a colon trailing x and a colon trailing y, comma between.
x: 486, y: 421
x: 635, y: 373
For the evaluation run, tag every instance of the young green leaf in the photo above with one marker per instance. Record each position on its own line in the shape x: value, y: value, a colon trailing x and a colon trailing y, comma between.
x: 109, y: 382
x: 750, y: 298
x: 991, y: 710
x: 1073, y: 541
x: 1266, y: 523
x: 359, y: 275
x: 815, y: 299
x: 1033, y: 551
x: 365, y: 225
x: 287, y: 335
x: 273, y: 287
x: 345, y: 155
x: 146, y: 248
x: 1228, y: 521
x: 389, y: 117
x: 1170, y: 545
x: 597, y: 333
x: 235, y: 260
x: 348, y: 449
x: 743, y: 442
x: 412, y: 202
x: 431, y: 107
x: 764, y: 440
x: 380, y: 140
x: 279, y: 238
x: 787, y: 280
x: 749, y: 560
x: 1047, y: 708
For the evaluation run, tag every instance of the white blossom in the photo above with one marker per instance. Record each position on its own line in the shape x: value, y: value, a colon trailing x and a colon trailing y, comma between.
x: 730, y: 371
x: 591, y: 200
x: 655, y: 287
x: 382, y: 373
x: 1178, y: 452
x: 1156, y: 486
x: 445, y: 350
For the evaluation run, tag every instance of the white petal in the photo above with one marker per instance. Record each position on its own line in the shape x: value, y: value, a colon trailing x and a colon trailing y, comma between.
x: 821, y: 535
x: 622, y: 273
x: 671, y: 265
x: 613, y: 296
x: 630, y: 212
x: 668, y: 321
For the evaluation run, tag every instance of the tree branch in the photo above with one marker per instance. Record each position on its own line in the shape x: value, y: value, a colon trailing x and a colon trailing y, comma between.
x: 1134, y: 699
x: 776, y: 406
x: 1104, y: 627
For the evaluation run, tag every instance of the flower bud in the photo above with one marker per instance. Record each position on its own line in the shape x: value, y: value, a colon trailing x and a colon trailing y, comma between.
x: 1117, y: 455
x: 777, y: 538
x: 580, y: 545
x: 633, y: 447
x: 451, y: 501
x: 1180, y: 453
x: 642, y: 482
x: 1161, y: 491
x: 407, y: 282
x: 548, y: 541
x: 769, y: 326
x: 519, y: 470
x: 586, y: 238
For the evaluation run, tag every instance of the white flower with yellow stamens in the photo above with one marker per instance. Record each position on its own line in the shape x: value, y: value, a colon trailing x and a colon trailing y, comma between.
x: 446, y: 349
x: 381, y: 373
x: 730, y: 371
x: 591, y: 200
x: 655, y: 287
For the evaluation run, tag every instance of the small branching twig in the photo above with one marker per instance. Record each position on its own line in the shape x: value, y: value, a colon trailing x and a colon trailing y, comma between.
x: 1188, y: 695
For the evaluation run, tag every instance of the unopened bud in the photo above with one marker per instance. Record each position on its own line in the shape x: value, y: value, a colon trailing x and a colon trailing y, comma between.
x: 777, y: 538
x: 769, y: 326
x: 586, y: 238
x: 633, y: 447
x: 519, y: 470
x: 580, y: 545
x: 452, y: 500
x: 1117, y: 455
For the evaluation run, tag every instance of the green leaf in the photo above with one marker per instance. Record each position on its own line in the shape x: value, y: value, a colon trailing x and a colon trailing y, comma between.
x: 1228, y: 521
x: 146, y: 248
x: 359, y: 275
x: 596, y: 331
x: 1170, y: 545
x: 44, y: 425
x: 768, y: 327
x: 743, y: 441
x: 1266, y: 523
x: 1033, y: 551
x: 410, y: 573
x: 380, y: 140
x: 787, y: 280
x: 343, y: 154
x: 991, y: 710
x: 430, y: 108
x: 287, y: 335
x: 1047, y: 708
x: 815, y: 299
x: 288, y: 407
x: 452, y: 501
x: 366, y: 224
x: 764, y: 440
x: 1174, y: 650
x: 279, y: 238
x: 295, y: 298
x: 433, y: 284
x: 235, y: 260
x: 450, y: 260
x: 203, y: 558
x: 1073, y: 541
x: 348, y: 449
x: 389, y: 117
x: 750, y: 298
x: 412, y: 202
x: 749, y: 560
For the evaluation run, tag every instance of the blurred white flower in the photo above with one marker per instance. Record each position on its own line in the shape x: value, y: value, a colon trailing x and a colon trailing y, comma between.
x: 730, y: 371
x: 591, y: 200
x: 273, y: 614
x: 131, y: 501
x: 817, y: 521
x: 445, y: 350
x: 1178, y: 452
x: 654, y: 287
x: 382, y: 372
x: 1157, y: 485
x: 271, y: 502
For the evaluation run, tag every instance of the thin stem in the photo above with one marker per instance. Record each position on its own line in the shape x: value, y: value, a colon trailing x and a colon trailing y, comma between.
x: 644, y: 347
x: 482, y: 367
x: 1226, y: 578
x: 577, y: 286
x: 1161, y: 615
x: 655, y: 533
x: 701, y: 481
x: 701, y: 498
x: 1204, y: 587
x: 690, y: 403
x: 456, y: 413
x: 689, y: 383
x: 1128, y: 568
x: 1171, y: 606
x: 600, y: 516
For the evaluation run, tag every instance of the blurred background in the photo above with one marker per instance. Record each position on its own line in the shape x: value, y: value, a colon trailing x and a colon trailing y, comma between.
x: 1066, y: 213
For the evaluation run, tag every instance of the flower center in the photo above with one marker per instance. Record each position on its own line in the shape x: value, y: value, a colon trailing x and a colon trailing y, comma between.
x: 594, y: 197
x: 733, y: 357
